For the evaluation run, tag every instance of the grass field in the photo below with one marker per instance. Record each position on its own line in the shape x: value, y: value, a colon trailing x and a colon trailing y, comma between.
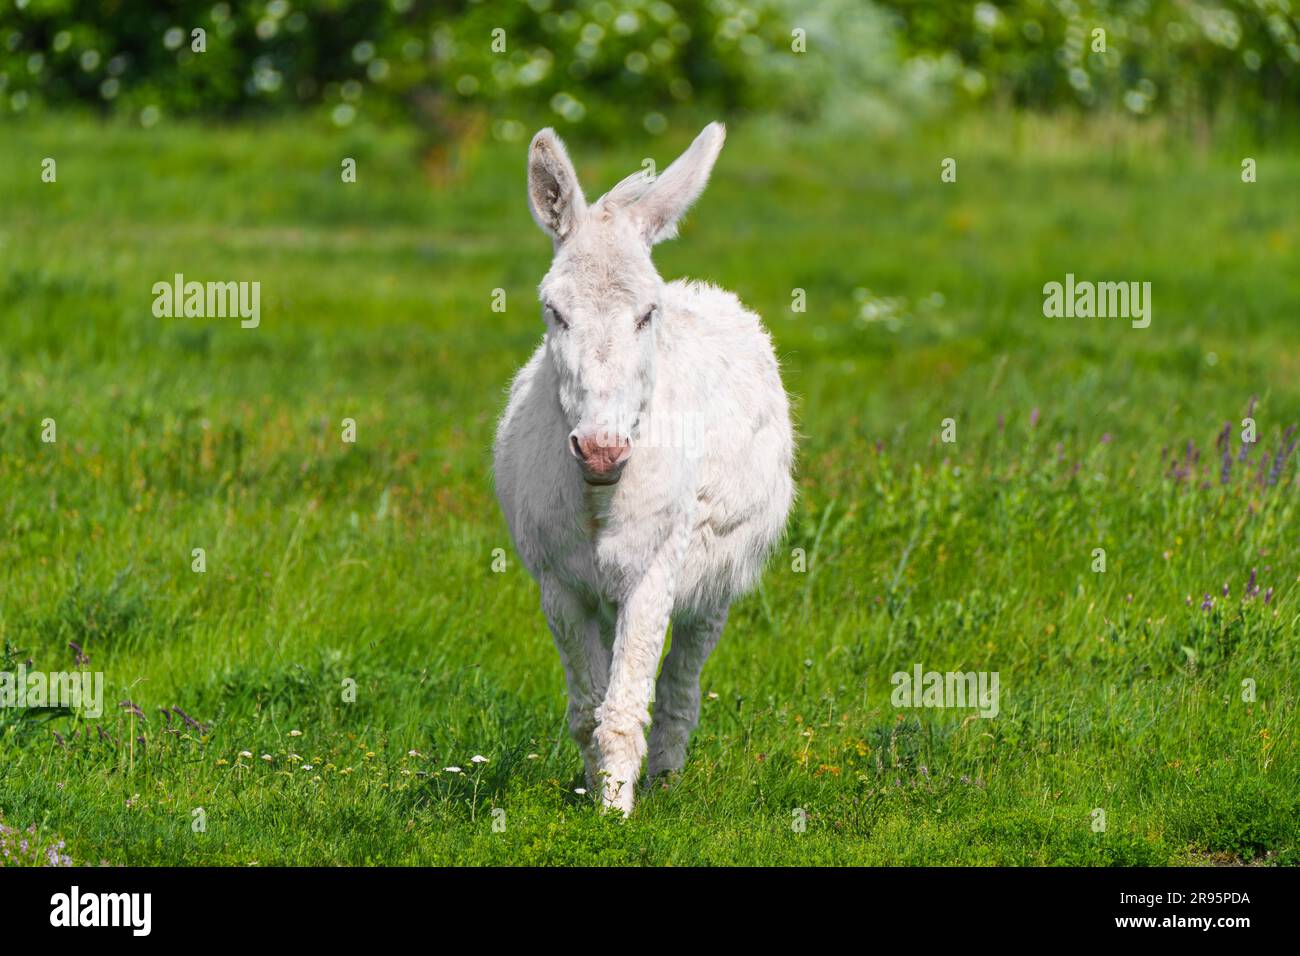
x: 371, y: 562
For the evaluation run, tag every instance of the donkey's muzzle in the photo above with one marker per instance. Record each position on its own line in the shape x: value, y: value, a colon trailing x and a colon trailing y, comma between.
x: 601, y: 456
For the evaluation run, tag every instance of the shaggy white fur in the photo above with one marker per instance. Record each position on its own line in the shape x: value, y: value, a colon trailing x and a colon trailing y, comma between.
x: 643, y: 462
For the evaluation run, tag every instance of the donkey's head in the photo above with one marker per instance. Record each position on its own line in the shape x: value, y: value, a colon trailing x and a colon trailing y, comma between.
x: 600, y: 298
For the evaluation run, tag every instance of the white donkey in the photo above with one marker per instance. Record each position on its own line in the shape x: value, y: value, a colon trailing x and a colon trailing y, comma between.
x: 643, y: 461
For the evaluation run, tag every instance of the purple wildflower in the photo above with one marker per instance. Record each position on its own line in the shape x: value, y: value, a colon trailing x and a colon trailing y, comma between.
x: 1283, y: 453
x: 1224, y: 443
x: 189, y: 721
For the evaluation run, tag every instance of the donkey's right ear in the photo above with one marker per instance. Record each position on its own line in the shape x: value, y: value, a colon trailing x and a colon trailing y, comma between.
x: 554, y: 195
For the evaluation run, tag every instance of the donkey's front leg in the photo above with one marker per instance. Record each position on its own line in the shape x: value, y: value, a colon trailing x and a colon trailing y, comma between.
x: 576, y: 629
x: 677, y: 695
x: 638, y: 643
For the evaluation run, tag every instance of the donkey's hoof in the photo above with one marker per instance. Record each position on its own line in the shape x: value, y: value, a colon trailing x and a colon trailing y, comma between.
x: 617, y: 794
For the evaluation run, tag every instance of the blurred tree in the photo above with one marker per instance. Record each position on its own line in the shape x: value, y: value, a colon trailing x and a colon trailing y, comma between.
x: 604, y: 66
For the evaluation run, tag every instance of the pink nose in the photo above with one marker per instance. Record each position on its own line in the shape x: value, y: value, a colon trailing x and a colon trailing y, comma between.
x: 597, y: 456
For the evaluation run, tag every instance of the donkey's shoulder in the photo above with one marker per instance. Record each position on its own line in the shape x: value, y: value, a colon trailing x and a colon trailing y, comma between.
x: 705, y: 301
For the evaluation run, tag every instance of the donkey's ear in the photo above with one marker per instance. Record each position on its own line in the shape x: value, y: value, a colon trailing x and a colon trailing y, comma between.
x: 554, y: 195
x: 672, y: 193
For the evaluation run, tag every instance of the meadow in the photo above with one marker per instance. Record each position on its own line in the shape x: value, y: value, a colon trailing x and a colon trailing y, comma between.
x: 1160, y: 691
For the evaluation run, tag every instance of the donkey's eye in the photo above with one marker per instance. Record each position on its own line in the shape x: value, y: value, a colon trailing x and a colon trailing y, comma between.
x: 556, y: 317
x: 642, y: 322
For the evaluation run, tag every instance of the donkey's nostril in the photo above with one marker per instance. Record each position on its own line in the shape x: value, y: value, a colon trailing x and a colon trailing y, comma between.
x: 574, y: 446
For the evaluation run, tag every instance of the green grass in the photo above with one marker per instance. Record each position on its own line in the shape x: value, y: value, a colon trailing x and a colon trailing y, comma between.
x: 373, y: 562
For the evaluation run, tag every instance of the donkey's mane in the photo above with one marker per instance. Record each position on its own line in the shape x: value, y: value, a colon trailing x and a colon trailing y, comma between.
x: 627, y: 191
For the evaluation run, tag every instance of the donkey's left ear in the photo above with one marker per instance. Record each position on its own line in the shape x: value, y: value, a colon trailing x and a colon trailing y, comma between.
x: 554, y: 196
x: 671, y: 194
